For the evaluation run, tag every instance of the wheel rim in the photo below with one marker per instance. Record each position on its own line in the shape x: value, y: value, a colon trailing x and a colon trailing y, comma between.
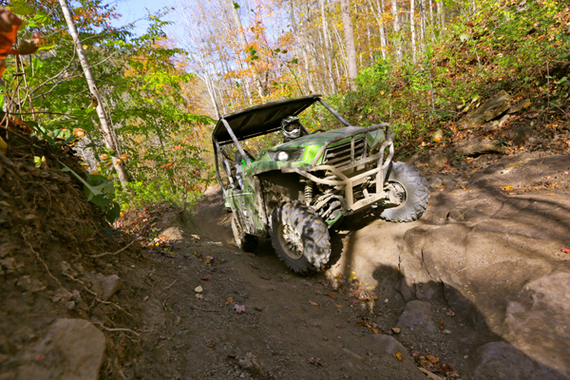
x: 399, y: 192
x: 290, y: 240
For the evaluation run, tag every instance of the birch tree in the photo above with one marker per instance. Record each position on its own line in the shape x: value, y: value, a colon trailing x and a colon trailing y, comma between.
x: 107, y: 129
x: 413, y: 29
x: 243, y: 39
x: 349, y: 42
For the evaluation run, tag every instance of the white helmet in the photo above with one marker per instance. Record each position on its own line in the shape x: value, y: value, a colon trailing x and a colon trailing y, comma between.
x: 291, y: 127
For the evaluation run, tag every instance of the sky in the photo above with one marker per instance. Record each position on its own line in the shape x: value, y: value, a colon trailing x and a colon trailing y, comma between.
x: 137, y: 10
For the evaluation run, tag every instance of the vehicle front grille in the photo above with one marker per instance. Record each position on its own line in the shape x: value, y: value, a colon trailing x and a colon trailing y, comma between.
x: 343, y: 154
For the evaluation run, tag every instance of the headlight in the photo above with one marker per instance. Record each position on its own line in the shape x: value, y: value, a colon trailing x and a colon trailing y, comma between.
x: 282, y: 156
x: 287, y: 155
x: 375, y: 138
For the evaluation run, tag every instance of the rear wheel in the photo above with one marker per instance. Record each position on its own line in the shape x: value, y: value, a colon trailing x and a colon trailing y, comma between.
x: 408, y: 186
x: 245, y: 242
x: 300, y: 237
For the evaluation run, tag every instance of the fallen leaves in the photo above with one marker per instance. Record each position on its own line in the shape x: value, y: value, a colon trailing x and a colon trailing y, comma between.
x: 565, y: 250
x: 396, y: 330
x: 369, y: 325
x: 433, y: 368
x: 239, y: 308
x: 399, y: 356
x: 313, y: 303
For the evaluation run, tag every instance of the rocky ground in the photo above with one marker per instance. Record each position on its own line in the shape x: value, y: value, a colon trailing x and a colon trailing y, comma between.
x: 476, y: 289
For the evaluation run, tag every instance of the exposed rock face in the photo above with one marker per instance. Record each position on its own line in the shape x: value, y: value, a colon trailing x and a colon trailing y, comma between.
x: 72, y: 349
x: 477, y: 147
x: 500, y: 263
x: 491, y: 109
x: 493, y: 256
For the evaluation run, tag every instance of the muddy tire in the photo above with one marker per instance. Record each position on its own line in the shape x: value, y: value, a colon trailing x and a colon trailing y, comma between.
x: 245, y: 242
x: 411, y: 188
x: 300, y: 237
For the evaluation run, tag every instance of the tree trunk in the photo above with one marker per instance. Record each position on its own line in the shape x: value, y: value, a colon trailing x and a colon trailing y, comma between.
x: 378, y: 15
x: 107, y: 130
x: 422, y: 37
x: 349, y: 42
x: 396, y: 40
x: 244, y: 44
x: 440, y: 14
x: 300, y: 35
x: 413, y: 29
x: 328, y: 49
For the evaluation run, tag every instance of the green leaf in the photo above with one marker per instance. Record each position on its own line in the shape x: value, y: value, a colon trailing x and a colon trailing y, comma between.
x: 236, y: 5
x: 36, y: 64
x: 465, y: 37
x: 294, y: 61
x: 22, y: 8
x: 37, y: 161
x: 42, y: 18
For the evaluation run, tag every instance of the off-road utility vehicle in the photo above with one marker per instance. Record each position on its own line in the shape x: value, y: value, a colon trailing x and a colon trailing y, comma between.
x: 295, y: 191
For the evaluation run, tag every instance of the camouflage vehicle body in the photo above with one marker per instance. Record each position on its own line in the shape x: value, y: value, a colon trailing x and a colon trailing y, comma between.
x: 319, y: 178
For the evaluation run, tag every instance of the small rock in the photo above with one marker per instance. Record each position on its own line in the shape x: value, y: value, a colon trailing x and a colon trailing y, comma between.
x: 396, y: 330
x: 10, y: 264
x: 435, y: 183
x: 316, y: 361
x: 446, y: 331
x: 106, y: 286
x: 31, y: 284
x: 437, y: 135
x: 418, y: 314
x: 76, y: 296
x: 62, y: 295
x: 70, y: 305
x: 198, y: 289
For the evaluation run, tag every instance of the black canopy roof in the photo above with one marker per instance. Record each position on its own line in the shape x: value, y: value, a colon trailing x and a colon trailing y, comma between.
x: 262, y: 119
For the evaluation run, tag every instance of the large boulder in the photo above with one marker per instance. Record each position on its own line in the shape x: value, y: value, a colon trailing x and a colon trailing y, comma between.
x: 72, y: 349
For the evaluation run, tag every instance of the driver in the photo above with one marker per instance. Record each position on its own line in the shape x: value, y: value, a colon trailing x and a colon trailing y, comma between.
x: 292, y: 128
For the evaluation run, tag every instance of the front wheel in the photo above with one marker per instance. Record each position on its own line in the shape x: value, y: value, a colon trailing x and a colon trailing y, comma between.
x: 300, y: 237
x: 408, y: 186
x: 245, y: 242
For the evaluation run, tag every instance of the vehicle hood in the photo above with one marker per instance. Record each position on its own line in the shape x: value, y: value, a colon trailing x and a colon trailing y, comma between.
x: 316, y: 139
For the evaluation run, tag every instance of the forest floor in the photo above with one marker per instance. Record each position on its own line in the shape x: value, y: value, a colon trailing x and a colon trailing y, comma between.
x: 475, y: 289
